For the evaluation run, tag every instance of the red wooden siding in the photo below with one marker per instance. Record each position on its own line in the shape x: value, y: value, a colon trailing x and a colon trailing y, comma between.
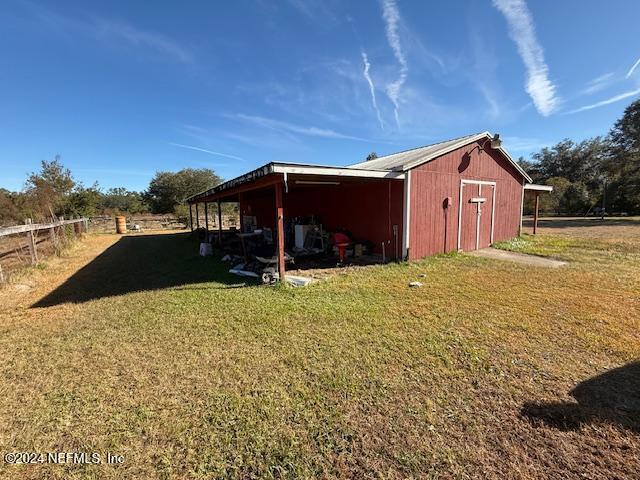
x: 260, y: 204
x: 366, y: 208
x: 434, y: 229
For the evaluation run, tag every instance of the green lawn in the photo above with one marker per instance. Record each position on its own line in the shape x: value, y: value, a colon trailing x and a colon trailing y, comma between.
x: 154, y: 353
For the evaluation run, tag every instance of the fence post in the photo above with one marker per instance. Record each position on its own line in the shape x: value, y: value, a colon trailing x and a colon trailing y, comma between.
x: 31, y: 242
x: 62, y: 231
x: 54, y: 240
x: 1, y: 275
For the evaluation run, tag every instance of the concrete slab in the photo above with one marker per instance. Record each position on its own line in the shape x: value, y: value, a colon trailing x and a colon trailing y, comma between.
x: 522, y: 258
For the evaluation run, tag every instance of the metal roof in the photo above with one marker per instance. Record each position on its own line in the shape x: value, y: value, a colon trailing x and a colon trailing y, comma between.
x: 408, y: 159
x: 389, y: 166
x: 402, y: 160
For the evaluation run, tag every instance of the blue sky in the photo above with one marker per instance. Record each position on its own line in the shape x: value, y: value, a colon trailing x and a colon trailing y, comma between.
x: 121, y: 89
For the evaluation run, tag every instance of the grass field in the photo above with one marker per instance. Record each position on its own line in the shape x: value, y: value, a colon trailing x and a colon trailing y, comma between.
x: 136, y: 346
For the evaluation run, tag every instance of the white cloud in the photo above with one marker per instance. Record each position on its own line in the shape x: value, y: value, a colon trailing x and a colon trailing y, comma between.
x: 598, y: 83
x: 483, y: 73
x: 210, y: 152
x: 313, y: 9
x: 633, y: 69
x: 608, y: 101
x: 372, y: 89
x: 391, y: 17
x: 279, y: 125
x: 109, y: 31
x: 142, y: 39
x: 521, y: 30
x: 490, y: 97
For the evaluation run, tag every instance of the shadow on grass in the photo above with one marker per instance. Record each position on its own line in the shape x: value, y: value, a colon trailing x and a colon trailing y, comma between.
x: 612, y: 397
x: 138, y: 263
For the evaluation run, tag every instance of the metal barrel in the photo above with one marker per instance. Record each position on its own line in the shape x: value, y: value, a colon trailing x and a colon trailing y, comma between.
x: 121, y: 224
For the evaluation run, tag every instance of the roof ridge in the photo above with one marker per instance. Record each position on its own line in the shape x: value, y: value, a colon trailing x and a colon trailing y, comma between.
x: 432, y: 144
x: 422, y: 146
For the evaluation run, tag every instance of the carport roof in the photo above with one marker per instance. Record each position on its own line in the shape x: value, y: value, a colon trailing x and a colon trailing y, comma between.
x: 295, y: 169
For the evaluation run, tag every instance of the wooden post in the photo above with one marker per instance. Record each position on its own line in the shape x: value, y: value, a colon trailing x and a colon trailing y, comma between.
x: 206, y: 216
x: 197, y: 217
x: 219, y: 223
x: 31, y: 242
x: 52, y: 236
x: 280, y: 230
x: 191, y: 216
x: 1, y: 275
x: 240, y: 199
x: 535, y: 213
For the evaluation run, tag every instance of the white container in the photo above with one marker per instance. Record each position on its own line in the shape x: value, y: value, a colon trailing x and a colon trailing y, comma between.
x: 300, y: 233
x: 206, y: 250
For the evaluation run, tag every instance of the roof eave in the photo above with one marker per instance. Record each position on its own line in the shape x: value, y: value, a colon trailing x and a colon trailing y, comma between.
x: 251, y: 175
x: 298, y: 169
x: 460, y: 144
x: 538, y: 188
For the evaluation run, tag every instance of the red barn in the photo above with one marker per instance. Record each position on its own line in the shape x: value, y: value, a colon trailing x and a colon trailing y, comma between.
x: 458, y: 195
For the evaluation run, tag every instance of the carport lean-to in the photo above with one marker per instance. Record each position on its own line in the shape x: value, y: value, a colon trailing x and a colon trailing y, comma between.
x: 458, y: 195
x: 361, y: 199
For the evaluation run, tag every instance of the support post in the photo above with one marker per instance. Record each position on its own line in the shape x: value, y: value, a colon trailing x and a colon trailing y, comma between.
x: 240, y: 201
x: 191, y: 216
x: 219, y: 223
x: 535, y: 213
x: 280, y: 230
x: 197, y: 217
x: 206, y: 216
x: 31, y: 242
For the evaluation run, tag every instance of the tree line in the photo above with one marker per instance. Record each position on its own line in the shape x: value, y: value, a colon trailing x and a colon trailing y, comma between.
x: 53, y: 192
x: 587, y: 176
x: 600, y: 173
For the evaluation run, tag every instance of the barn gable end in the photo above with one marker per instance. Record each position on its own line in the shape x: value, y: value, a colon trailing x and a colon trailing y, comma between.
x: 493, y: 185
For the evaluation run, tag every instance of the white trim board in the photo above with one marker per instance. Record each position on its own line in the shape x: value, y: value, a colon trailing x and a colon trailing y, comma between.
x: 538, y: 188
x: 338, y: 172
x: 406, y: 215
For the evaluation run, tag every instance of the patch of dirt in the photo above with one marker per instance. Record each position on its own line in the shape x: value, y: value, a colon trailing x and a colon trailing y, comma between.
x: 522, y: 258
